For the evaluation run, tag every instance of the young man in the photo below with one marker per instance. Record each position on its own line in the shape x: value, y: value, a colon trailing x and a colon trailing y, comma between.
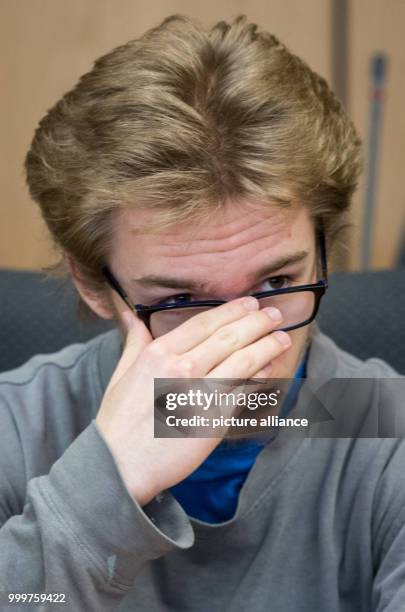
x: 192, y: 166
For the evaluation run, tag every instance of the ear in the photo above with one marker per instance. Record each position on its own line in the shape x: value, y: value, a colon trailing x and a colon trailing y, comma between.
x: 97, y: 302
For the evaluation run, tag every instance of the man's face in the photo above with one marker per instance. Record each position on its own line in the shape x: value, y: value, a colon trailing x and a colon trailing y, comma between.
x: 238, y: 251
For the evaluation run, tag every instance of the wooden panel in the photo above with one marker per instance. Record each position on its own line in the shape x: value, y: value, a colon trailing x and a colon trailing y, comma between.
x: 379, y: 26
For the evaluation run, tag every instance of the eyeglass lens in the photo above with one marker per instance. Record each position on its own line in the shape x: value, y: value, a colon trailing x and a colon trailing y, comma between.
x: 296, y: 308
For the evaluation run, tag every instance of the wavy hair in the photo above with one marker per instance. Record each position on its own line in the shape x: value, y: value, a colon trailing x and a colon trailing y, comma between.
x: 180, y: 120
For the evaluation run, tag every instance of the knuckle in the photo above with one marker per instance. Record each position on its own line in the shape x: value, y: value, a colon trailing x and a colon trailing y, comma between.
x: 201, y: 322
x: 180, y: 368
x: 154, y: 351
x: 228, y: 336
x: 186, y: 367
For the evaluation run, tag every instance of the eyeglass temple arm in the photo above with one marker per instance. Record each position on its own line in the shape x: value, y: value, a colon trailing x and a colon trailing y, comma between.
x: 115, y: 285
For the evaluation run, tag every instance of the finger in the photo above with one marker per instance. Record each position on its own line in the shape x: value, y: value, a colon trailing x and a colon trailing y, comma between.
x: 264, y: 372
x: 233, y: 337
x: 137, y: 337
x: 245, y: 362
x: 199, y: 327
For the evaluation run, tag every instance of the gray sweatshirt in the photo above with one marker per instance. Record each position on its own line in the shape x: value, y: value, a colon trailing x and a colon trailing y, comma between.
x: 320, y: 523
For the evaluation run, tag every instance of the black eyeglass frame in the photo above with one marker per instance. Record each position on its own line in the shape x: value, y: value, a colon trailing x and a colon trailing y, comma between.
x: 318, y: 289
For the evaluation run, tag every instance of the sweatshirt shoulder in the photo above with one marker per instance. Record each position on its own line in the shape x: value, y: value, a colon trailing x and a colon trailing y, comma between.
x: 53, y: 384
x: 66, y: 360
x: 47, y: 402
x: 328, y: 359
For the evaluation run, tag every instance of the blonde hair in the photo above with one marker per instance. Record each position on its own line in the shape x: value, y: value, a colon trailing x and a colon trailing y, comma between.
x: 181, y: 120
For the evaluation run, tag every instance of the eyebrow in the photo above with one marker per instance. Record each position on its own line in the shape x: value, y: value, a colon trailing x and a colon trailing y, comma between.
x: 191, y: 285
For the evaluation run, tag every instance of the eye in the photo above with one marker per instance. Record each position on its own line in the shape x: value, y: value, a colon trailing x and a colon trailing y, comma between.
x: 275, y: 282
x: 181, y: 298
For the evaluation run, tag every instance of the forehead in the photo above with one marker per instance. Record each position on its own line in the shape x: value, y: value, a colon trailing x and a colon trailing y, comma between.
x: 239, y: 232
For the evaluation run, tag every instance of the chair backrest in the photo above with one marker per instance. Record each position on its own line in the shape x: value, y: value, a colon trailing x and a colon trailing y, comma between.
x: 39, y: 315
x: 363, y: 312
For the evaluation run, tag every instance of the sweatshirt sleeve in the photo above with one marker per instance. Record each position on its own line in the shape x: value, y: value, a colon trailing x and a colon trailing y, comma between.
x: 79, y: 532
x: 389, y: 536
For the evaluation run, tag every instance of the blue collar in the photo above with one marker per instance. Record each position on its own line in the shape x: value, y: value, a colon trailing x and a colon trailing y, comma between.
x: 211, y: 492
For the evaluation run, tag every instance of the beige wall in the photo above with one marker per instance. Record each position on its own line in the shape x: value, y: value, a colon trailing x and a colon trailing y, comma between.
x: 47, y: 44
x: 379, y: 25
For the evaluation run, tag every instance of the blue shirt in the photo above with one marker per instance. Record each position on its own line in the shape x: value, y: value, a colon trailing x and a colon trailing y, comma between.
x: 211, y: 492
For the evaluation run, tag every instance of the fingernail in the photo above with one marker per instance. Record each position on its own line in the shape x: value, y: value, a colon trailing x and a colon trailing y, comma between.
x: 273, y: 313
x: 282, y: 337
x: 250, y: 303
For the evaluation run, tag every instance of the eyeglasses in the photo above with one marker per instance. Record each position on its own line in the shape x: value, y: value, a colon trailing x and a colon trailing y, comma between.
x: 298, y: 305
